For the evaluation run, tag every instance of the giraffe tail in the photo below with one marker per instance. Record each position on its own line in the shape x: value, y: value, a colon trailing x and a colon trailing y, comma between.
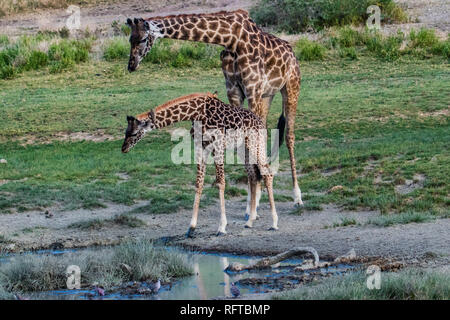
x: 276, y: 148
x: 281, y: 126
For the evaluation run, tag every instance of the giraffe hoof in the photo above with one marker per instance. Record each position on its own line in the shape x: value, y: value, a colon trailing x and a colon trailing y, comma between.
x: 247, y: 226
x: 298, y: 204
x: 246, y: 217
x: 220, y: 233
x: 190, y: 233
x: 273, y: 229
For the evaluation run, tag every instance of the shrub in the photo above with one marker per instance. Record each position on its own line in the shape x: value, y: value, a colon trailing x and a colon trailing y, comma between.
x: 442, y: 48
x: 126, y: 30
x: 61, y: 65
x: 306, y: 50
x: 393, y: 13
x: 410, y: 284
x: 25, y: 54
x: 37, y: 60
x: 181, y: 54
x: 298, y: 15
x: 64, y: 32
x: 7, y: 72
x: 28, y: 273
x: 387, y: 48
x: 348, y: 53
x: 117, y: 48
x: 4, y: 40
x: 66, y: 53
x: 348, y: 37
x: 425, y: 38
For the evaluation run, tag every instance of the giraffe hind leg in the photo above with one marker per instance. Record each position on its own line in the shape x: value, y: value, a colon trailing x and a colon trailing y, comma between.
x: 198, y: 193
x: 290, y: 100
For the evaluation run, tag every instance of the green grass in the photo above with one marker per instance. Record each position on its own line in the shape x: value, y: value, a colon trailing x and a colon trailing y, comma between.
x: 383, y: 115
x: 402, y: 218
x: 31, y: 273
x: 119, y: 220
x: 344, y: 222
x: 407, y: 284
x: 4, y: 239
x: 116, y: 49
x: 306, y: 50
x: 30, y: 53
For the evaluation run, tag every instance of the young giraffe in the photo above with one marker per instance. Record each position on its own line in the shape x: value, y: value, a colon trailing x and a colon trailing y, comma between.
x: 223, y: 126
x: 256, y: 65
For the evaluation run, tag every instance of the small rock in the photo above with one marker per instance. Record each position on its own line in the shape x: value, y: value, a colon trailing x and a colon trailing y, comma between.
x: 100, y: 291
x: 349, y: 256
x: 144, y: 291
x: 3, y: 161
x: 235, y: 290
x: 125, y: 268
x: 336, y: 188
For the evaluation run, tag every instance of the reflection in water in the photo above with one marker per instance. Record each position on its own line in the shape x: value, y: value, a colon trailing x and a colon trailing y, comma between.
x: 208, y: 281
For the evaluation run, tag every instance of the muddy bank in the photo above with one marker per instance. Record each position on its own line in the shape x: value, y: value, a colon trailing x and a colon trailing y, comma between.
x: 413, y: 243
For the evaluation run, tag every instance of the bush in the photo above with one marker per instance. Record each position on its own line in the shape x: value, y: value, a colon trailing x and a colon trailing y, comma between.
x: 442, y: 48
x: 425, y: 38
x: 61, y: 65
x: 298, y: 15
x: 348, y: 37
x: 348, y: 53
x: 7, y: 72
x: 37, y: 59
x: 25, y: 54
x: 4, y: 40
x: 179, y: 54
x: 29, y: 273
x: 64, y: 32
x: 387, y: 48
x: 306, y: 50
x: 413, y: 284
x: 115, y: 49
x: 65, y: 54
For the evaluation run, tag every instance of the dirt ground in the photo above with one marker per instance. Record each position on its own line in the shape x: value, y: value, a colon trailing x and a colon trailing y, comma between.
x: 422, y: 13
x: 414, y: 243
x: 99, y: 17
x: 427, y: 243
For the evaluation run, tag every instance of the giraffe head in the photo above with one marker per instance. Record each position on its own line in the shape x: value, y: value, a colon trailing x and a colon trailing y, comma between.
x: 135, y: 132
x: 141, y: 39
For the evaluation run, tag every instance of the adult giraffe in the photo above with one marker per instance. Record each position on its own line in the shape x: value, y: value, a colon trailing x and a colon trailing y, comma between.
x: 256, y: 65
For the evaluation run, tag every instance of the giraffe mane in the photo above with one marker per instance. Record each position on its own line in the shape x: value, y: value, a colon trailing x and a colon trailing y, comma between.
x: 146, y: 115
x: 212, y: 14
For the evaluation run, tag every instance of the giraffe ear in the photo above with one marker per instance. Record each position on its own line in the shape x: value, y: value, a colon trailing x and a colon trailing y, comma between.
x: 136, y: 21
x: 130, y: 118
x: 129, y: 22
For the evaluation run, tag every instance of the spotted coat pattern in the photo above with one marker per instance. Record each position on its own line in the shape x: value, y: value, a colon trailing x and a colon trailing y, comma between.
x: 222, y: 126
x: 256, y: 64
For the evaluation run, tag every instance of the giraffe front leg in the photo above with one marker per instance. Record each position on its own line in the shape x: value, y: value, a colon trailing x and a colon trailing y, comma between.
x: 258, y: 198
x: 268, y: 180
x: 220, y: 178
x: 198, y: 194
x: 252, y: 218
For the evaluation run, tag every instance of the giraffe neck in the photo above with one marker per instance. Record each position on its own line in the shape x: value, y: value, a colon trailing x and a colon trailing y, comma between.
x: 187, y: 108
x: 223, y: 28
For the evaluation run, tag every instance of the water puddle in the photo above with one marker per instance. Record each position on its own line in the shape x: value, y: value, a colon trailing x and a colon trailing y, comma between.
x: 209, y: 280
